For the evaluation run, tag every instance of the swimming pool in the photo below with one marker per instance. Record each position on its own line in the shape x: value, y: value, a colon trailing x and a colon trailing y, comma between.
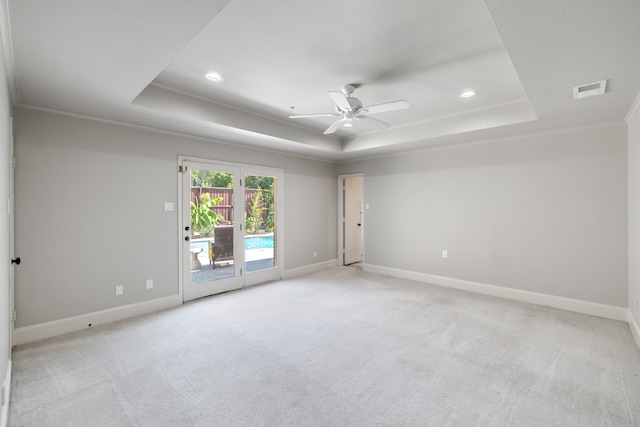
x: 258, y: 242
x: 262, y: 241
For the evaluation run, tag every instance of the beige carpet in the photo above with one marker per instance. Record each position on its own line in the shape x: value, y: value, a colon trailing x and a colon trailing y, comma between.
x: 335, y: 348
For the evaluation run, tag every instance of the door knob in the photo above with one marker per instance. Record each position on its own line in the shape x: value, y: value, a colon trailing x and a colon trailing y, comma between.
x: 16, y: 261
x: 186, y: 228
x: 187, y: 238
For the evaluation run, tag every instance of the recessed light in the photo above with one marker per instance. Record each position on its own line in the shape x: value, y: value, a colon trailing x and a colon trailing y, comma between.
x: 213, y: 76
x: 347, y: 125
x: 468, y: 94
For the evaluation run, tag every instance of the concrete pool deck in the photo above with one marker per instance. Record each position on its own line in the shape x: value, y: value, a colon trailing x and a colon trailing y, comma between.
x: 255, y: 260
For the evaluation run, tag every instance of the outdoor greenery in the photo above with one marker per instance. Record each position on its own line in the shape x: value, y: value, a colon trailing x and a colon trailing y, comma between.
x: 259, y: 215
x: 205, y: 178
x: 254, y: 221
x: 267, y: 185
x: 203, y: 219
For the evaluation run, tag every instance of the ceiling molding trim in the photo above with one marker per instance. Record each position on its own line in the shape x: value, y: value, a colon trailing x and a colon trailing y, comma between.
x: 635, y: 107
x: 519, y: 136
x: 7, y: 50
x: 475, y: 120
x: 170, y: 132
x: 236, y: 121
x: 231, y: 107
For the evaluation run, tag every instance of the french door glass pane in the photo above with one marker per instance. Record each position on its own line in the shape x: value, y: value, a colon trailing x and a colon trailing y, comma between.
x: 212, y: 240
x: 260, y: 223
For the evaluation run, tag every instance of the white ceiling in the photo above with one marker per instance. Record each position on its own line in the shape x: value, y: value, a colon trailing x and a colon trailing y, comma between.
x: 142, y: 62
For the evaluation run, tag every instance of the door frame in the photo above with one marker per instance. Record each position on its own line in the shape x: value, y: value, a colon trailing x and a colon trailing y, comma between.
x: 246, y: 279
x: 340, y: 222
x: 225, y: 284
x: 275, y: 273
x: 12, y: 240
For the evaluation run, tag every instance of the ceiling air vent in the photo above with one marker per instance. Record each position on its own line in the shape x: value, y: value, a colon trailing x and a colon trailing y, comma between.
x: 591, y: 89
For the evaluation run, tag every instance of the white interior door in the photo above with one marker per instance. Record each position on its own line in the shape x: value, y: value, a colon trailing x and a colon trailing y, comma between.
x: 352, y: 220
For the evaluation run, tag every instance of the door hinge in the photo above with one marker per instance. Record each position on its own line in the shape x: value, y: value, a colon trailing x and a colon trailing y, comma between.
x: 241, y: 272
x: 13, y: 316
x: 182, y: 169
x: 13, y: 162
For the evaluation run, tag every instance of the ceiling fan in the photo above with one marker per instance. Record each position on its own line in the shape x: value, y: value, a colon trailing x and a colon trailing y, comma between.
x: 350, y: 109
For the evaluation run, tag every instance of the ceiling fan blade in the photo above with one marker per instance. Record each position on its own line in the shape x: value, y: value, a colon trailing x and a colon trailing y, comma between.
x: 300, y: 116
x: 377, y: 124
x: 387, y: 106
x: 341, y: 100
x: 334, y: 127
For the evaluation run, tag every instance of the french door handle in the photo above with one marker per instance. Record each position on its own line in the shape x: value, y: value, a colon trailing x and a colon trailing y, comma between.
x: 16, y: 261
x: 187, y: 238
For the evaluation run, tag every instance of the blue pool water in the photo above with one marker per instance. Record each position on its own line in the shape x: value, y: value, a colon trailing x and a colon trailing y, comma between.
x: 250, y: 242
x: 258, y: 242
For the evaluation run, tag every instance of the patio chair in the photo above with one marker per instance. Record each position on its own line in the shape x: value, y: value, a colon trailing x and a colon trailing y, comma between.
x: 221, y: 248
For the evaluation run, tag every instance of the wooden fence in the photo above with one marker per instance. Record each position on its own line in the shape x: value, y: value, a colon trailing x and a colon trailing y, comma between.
x: 225, y: 207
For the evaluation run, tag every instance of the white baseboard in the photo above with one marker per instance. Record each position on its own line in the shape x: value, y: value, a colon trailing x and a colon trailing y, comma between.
x: 71, y: 324
x: 6, y: 388
x: 309, y: 268
x: 579, y: 306
x: 635, y: 329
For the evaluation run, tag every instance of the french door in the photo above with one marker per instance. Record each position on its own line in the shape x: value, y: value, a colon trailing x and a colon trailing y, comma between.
x: 231, y: 226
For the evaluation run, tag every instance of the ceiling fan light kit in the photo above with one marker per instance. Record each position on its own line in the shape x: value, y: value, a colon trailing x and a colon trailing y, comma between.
x: 349, y: 109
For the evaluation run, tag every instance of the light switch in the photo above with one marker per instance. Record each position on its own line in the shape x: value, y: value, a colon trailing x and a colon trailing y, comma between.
x: 169, y: 207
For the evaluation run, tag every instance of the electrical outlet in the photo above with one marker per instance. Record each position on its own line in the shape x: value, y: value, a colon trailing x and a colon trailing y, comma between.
x: 445, y: 254
x: 149, y: 283
x: 119, y: 290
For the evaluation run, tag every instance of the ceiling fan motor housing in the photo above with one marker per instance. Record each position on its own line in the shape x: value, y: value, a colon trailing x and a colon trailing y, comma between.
x: 349, y: 88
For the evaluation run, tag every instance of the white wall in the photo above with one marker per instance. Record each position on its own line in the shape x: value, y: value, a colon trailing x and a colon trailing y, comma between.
x: 89, y: 205
x: 545, y: 213
x: 634, y: 216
